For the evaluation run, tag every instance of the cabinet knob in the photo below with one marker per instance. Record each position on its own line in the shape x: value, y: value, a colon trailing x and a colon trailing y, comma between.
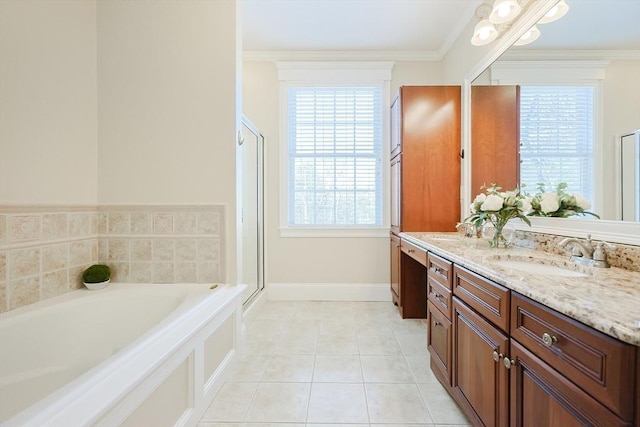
x: 549, y: 340
x: 496, y: 356
x: 508, y: 363
x: 436, y: 323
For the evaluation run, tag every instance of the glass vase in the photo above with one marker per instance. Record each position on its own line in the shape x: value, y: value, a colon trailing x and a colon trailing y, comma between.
x: 498, y: 234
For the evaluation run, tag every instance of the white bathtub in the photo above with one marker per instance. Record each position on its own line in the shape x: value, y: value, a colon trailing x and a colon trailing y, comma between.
x: 139, y: 355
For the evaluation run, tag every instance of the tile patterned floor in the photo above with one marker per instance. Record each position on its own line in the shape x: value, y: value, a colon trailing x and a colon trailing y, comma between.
x: 317, y: 364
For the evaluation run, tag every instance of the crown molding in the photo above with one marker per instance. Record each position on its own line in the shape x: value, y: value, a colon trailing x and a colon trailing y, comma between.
x: 340, y: 55
x: 576, y: 54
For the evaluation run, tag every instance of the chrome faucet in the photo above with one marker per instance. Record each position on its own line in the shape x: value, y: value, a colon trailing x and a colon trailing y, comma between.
x: 584, y: 253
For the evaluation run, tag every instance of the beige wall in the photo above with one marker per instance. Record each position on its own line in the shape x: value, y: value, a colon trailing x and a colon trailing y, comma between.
x: 167, y: 108
x: 48, y: 100
x: 316, y: 260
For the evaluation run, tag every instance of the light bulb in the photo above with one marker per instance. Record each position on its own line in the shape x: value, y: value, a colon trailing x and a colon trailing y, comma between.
x: 504, y: 11
x: 484, y: 33
x: 529, y: 37
x: 555, y: 13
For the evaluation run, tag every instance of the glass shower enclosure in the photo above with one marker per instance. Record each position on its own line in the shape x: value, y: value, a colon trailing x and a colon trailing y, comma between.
x: 251, y: 179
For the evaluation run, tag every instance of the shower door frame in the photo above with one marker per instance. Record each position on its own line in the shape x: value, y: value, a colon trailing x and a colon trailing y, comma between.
x: 260, y: 226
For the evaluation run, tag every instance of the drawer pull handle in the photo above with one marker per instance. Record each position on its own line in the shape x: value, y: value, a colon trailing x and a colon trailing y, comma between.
x: 549, y: 340
x: 410, y: 251
x: 508, y: 363
x: 497, y: 356
x: 436, y: 323
x: 436, y: 295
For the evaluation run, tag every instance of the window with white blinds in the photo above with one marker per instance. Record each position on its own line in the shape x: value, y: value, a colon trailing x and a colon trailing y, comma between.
x: 334, y: 156
x: 557, y: 137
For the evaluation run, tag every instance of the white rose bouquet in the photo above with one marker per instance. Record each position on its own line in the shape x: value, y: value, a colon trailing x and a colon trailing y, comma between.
x: 558, y: 203
x: 498, y: 207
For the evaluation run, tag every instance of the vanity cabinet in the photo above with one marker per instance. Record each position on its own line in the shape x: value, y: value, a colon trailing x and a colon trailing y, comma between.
x: 425, y: 133
x: 515, y: 362
x: 412, y: 292
x: 589, y: 360
x: 424, y: 168
x: 480, y: 382
x: 439, y: 308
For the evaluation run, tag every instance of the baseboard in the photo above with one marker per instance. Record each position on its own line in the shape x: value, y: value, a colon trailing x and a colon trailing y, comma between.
x: 329, y: 292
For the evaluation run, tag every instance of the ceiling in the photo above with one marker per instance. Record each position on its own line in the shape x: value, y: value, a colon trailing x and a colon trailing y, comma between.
x: 426, y: 28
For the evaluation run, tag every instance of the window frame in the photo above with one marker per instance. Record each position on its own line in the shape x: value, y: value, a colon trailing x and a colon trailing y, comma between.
x: 344, y: 74
x: 564, y: 73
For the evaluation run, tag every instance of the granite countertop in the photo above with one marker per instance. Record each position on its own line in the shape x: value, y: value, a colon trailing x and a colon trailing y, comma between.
x: 607, y: 299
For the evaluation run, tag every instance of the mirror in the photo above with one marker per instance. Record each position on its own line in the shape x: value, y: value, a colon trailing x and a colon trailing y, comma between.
x: 605, y: 38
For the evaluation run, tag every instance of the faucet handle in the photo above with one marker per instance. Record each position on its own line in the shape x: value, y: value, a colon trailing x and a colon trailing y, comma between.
x: 600, y: 254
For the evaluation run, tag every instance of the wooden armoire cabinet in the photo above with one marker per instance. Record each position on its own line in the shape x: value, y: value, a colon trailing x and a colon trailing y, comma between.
x: 495, y: 137
x: 425, y: 172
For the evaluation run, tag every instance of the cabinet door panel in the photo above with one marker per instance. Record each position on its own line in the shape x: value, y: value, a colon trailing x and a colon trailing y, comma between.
x: 430, y: 157
x: 495, y: 132
x: 396, y: 194
x: 599, y: 364
x: 480, y: 382
x: 439, y: 342
x: 395, y: 269
x: 542, y: 397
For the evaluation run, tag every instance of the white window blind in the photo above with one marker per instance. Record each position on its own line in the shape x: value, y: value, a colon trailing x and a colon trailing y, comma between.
x: 557, y: 137
x: 335, y: 156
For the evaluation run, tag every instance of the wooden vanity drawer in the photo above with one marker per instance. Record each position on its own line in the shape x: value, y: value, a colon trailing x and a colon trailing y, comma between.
x: 486, y: 297
x: 439, y: 296
x: 599, y: 364
x: 439, y: 270
x: 414, y: 252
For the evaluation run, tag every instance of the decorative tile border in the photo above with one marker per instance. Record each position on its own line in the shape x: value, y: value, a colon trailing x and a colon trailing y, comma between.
x: 44, y: 249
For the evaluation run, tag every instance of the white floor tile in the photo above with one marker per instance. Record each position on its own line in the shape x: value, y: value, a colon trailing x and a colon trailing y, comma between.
x: 289, y: 368
x: 279, y: 403
x: 395, y: 403
x: 296, y: 344
x: 231, y: 402
x: 413, y: 344
x: 332, y: 364
x: 336, y: 368
x: 442, y: 407
x: 337, y: 403
x: 337, y: 344
x: 421, y: 369
x: 248, y: 367
x: 386, y: 369
x: 378, y: 345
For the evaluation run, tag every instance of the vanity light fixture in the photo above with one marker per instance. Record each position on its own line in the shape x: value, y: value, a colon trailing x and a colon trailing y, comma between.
x: 556, y: 12
x: 504, y: 11
x: 484, y: 32
x: 530, y: 36
x: 497, y: 18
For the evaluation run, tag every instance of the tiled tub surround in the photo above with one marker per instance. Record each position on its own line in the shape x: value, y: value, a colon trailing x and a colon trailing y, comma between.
x: 163, y: 244
x: 607, y: 299
x: 44, y: 249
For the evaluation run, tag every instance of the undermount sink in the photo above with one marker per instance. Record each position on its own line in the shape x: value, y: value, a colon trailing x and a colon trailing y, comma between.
x: 534, y: 266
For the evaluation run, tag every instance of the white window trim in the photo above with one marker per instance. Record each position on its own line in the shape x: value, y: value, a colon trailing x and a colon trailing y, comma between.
x: 569, y: 73
x: 299, y: 74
